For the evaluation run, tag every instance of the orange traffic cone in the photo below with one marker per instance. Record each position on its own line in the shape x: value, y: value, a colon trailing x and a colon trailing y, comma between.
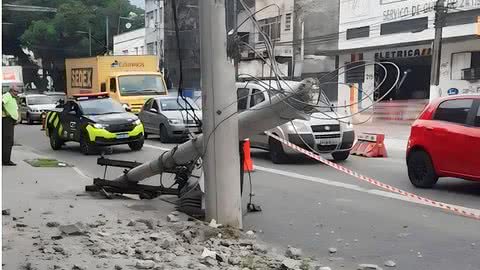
x: 247, y: 161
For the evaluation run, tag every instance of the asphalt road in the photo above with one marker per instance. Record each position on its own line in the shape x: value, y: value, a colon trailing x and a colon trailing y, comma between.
x: 315, y: 207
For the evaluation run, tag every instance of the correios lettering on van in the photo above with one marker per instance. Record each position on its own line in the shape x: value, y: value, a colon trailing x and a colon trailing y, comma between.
x: 117, y: 64
x: 81, y: 77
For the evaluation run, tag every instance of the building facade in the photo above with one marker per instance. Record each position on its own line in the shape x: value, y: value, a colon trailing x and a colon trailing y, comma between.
x: 154, y: 27
x: 130, y: 43
x: 401, y: 32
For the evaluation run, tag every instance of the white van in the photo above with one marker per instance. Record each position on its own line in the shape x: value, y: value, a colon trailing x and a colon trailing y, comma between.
x: 323, y: 133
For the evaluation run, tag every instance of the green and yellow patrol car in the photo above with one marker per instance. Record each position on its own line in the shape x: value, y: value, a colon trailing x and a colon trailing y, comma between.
x: 93, y: 120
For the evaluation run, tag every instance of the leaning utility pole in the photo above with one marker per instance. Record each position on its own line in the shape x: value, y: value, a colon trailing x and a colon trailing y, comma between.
x: 221, y: 161
x: 440, y: 11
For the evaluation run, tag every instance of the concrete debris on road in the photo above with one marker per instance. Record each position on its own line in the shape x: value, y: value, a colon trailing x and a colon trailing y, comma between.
x: 155, y: 244
x: 144, y: 264
x: 332, y: 250
x: 390, y: 263
x: 293, y: 253
x: 324, y: 268
x: 6, y: 212
x: 290, y: 264
x: 172, y: 218
x: 213, y: 223
x: 53, y: 224
x: 369, y: 267
x: 72, y: 229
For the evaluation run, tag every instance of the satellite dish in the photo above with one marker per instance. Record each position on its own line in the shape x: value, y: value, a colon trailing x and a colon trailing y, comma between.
x: 128, y: 25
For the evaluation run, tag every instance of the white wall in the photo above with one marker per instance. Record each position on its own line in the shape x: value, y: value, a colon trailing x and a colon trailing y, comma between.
x: 373, y: 13
x: 446, y: 81
x: 154, y: 31
x: 259, y: 69
x: 131, y: 42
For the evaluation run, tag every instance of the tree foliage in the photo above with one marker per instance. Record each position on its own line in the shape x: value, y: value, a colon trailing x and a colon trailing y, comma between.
x: 64, y: 34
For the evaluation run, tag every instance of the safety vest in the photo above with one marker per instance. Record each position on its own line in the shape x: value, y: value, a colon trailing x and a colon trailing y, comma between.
x: 9, y: 106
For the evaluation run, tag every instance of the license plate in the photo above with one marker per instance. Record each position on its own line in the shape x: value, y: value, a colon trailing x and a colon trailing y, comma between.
x: 122, y: 136
x: 329, y: 142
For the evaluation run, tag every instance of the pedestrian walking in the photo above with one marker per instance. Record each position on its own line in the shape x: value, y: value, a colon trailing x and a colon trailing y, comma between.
x: 9, y: 119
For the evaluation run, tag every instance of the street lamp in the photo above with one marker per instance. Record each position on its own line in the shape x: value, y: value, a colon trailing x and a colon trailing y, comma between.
x: 89, y: 33
x: 131, y: 16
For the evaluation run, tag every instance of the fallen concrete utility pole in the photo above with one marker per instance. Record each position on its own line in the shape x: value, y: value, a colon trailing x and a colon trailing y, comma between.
x: 280, y: 109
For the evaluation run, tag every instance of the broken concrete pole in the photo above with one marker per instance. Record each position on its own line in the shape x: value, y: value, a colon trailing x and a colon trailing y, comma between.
x: 72, y: 229
x: 293, y: 253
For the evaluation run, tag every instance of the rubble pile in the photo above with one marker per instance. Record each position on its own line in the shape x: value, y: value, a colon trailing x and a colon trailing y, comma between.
x: 172, y: 243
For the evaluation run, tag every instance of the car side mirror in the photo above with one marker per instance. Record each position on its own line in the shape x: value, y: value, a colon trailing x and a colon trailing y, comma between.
x: 153, y: 110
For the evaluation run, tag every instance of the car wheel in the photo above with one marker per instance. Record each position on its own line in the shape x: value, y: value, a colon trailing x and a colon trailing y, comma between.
x: 340, y: 156
x: 420, y: 170
x: 277, y: 155
x: 136, y: 145
x: 55, y: 141
x: 85, y: 146
x: 164, y: 138
x: 29, y: 120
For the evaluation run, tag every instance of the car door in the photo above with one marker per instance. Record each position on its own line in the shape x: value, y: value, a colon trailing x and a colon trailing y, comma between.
x: 146, y: 116
x: 449, y: 131
x: 23, y: 107
x: 159, y: 117
x: 473, y: 136
x: 70, y: 122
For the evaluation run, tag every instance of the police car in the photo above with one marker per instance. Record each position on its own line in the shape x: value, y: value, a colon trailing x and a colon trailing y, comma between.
x: 93, y: 120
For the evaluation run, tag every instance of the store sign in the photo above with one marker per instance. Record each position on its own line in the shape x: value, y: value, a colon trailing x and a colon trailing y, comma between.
x: 81, y: 77
x: 405, y: 53
x: 117, y: 64
x: 452, y: 91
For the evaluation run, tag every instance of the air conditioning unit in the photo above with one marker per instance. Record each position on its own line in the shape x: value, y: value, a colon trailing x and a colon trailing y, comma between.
x: 471, y: 74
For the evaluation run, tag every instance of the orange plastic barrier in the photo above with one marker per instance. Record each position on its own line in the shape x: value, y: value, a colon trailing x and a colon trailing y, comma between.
x: 370, y: 145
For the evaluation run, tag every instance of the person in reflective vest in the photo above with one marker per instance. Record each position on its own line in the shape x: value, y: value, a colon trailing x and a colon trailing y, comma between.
x: 9, y: 119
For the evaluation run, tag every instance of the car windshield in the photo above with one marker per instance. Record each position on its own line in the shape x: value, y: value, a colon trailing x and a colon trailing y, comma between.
x: 140, y: 85
x: 177, y: 104
x: 100, y: 106
x: 40, y: 100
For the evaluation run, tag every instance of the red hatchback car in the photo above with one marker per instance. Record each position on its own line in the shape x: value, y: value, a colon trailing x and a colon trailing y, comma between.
x: 445, y: 141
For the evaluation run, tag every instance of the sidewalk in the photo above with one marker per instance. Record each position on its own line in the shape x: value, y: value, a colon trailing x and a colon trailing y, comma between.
x: 122, y: 233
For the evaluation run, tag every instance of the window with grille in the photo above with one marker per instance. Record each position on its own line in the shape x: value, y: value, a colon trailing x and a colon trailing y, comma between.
x: 288, y: 22
x: 270, y: 27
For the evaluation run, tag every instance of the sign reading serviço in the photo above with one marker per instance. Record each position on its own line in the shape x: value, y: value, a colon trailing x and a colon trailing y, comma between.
x: 81, y: 77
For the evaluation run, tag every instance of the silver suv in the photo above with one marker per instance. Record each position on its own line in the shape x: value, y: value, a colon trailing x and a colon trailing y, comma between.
x: 322, y: 133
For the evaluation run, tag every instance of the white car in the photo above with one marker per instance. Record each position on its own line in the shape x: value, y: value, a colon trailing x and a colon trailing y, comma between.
x: 323, y: 132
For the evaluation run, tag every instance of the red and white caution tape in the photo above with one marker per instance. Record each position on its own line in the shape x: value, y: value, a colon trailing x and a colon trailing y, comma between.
x: 459, y: 210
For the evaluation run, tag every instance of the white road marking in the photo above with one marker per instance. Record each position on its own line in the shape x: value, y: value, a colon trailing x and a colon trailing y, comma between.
x: 79, y: 172
x: 157, y: 147
x: 376, y: 192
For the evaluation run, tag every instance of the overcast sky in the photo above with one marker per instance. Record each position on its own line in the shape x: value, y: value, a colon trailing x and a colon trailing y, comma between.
x: 139, y: 3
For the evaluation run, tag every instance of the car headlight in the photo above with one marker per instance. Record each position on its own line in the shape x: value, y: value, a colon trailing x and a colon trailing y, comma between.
x: 137, y: 122
x: 175, y: 121
x: 299, y: 126
x: 100, y: 125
